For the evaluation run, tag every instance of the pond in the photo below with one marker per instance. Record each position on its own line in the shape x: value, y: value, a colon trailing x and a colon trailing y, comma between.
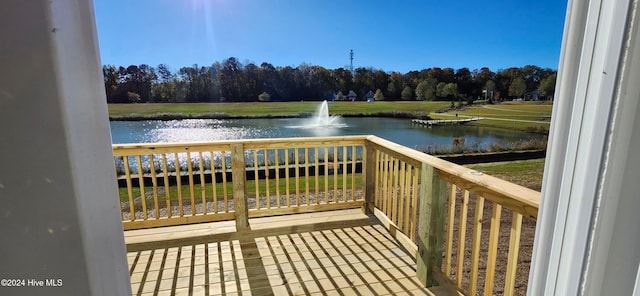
x: 401, y: 131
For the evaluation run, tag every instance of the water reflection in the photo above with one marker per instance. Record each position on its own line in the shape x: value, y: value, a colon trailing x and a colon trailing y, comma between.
x: 397, y: 130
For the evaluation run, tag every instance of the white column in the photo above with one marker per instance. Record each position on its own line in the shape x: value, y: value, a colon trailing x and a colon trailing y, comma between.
x: 59, y: 214
x: 612, y: 264
x: 587, y: 236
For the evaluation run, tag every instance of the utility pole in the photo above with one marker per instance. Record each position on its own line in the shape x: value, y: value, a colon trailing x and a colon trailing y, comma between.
x: 351, y: 65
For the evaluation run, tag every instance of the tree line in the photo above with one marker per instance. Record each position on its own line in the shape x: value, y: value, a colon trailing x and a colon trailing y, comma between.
x: 233, y: 81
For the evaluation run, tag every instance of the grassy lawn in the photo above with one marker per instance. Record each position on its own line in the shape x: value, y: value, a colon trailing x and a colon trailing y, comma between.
x: 525, y: 116
x: 251, y: 188
x: 257, y: 109
x: 527, y: 173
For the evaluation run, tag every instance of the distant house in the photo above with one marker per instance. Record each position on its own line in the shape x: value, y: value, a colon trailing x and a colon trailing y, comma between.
x: 532, y: 95
x: 352, y: 96
x: 369, y: 95
x: 339, y: 96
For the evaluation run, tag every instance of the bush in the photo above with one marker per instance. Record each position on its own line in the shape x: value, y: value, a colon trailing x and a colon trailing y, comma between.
x: 264, y: 97
x: 459, y: 146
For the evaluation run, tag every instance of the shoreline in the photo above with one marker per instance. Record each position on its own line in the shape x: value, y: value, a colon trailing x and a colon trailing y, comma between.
x: 182, y: 116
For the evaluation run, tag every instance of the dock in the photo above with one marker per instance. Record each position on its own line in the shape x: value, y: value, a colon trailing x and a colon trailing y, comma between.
x: 438, y: 122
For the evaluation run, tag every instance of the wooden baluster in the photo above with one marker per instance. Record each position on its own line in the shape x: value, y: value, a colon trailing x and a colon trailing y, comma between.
x: 214, y: 183
x: 451, y: 216
x: 389, y: 182
x: 276, y: 159
x: 267, y: 194
x: 353, y: 173
x: 514, y: 249
x: 286, y: 177
x: 414, y: 206
x: 378, y: 178
x: 385, y: 178
x: 179, y: 184
x: 225, y: 196
x: 475, y: 248
x: 335, y: 174
x: 306, y: 174
x: 462, y: 236
x: 395, y: 194
x: 127, y: 176
x: 256, y: 172
x: 326, y: 175
x: 494, y: 235
x: 317, y: 175
x: 344, y: 173
x: 401, y: 195
x: 165, y: 178
x: 154, y: 182
x: 297, y: 174
x: 407, y: 202
x: 143, y: 197
x: 192, y: 193
x: 203, y: 189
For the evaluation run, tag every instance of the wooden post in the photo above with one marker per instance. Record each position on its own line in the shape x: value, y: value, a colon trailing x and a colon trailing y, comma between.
x: 369, y: 179
x: 433, y: 194
x: 238, y: 174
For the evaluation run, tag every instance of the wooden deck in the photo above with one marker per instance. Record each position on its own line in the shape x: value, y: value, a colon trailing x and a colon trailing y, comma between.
x: 329, y: 253
x: 338, y: 252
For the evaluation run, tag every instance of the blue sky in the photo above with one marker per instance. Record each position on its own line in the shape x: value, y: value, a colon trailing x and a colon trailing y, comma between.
x: 400, y: 35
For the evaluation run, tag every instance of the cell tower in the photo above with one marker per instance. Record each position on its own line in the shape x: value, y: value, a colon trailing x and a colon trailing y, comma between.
x: 351, y: 65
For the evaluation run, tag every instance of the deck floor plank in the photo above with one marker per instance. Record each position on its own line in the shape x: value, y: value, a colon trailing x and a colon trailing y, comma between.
x: 330, y: 253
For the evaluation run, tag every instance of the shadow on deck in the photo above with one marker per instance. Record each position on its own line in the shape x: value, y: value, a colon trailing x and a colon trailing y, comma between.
x: 328, y: 253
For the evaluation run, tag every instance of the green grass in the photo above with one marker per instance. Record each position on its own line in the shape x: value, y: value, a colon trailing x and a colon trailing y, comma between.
x: 250, y: 185
x: 527, y: 173
x: 258, y: 109
x: 511, y: 115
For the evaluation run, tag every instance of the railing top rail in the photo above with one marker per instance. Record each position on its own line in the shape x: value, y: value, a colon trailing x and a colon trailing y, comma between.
x: 510, y: 195
x: 139, y: 148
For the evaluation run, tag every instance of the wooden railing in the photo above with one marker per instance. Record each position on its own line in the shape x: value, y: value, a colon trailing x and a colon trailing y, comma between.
x: 433, y: 207
x: 181, y: 183
x: 425, y: 202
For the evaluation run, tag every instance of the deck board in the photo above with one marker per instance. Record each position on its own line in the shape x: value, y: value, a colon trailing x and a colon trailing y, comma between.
x: 339, y: 252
